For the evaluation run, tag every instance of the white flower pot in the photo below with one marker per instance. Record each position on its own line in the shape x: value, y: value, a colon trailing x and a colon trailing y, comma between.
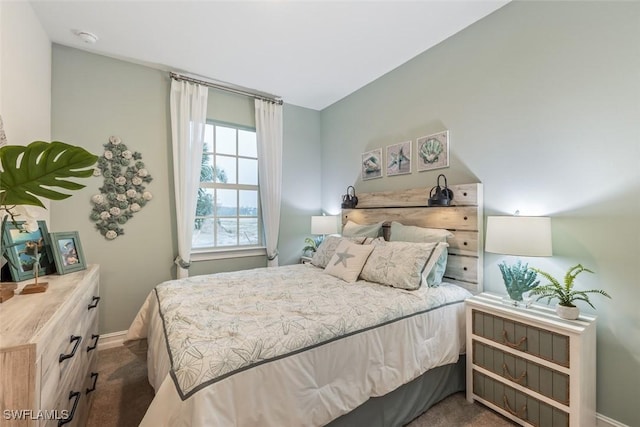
x: 569, y: 313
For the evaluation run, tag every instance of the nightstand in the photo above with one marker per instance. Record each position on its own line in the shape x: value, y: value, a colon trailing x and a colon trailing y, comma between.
x: 529, y: 365
x: 305, y: 260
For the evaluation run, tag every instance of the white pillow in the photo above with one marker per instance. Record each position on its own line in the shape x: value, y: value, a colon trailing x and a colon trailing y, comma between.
x: 411, y: 233
x: 348, y: 260
x: 398, y: 264
x: 351, y: 229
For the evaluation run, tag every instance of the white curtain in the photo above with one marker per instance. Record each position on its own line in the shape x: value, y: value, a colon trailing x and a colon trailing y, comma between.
x: 188, y: 117
x: 269, y: 136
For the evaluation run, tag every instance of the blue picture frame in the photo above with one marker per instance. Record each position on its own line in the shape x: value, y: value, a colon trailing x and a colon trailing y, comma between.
x: 67, y: 252
x: 22, y: 248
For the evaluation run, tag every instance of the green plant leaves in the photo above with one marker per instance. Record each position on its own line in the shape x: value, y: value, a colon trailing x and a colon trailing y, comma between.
x: 29, y: 172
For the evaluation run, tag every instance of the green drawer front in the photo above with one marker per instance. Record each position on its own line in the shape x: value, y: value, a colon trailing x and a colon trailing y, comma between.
x: 519, y: 336
x: 538, y: 378
x: 519, y: 404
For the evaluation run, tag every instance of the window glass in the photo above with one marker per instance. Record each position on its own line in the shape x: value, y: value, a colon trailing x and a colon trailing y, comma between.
x: 248, y: 171
x: 225, y: 140
x: 226, y: 167
x: 227, y: 208
x: 247, y: 145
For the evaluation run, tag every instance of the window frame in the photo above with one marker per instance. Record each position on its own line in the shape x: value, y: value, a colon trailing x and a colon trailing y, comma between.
x: 221, y: 252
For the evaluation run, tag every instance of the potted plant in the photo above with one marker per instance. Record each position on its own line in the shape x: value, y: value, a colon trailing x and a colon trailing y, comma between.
x: 565, y: 293
x: 38, y: 170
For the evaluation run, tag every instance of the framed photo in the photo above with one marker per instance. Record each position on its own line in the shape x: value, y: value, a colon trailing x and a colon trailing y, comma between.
x: 67, y: 252
x: 399, y: 158
x: 25, y: 250
x: 372, y: 164
x: 433, y: 151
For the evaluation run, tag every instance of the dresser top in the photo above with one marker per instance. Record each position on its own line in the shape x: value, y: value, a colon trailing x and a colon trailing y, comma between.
x: 534, y: 313
x: 24, y: 318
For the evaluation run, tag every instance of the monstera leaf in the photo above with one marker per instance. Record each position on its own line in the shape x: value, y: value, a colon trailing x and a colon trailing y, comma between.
x: 27, y: 173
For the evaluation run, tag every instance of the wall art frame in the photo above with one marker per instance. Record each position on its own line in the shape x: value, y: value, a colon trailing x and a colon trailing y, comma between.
x: 399, y: 158
x: 433, y: 151
x: 371, y: 164
x: 67, y: 252
x: 24, y: 249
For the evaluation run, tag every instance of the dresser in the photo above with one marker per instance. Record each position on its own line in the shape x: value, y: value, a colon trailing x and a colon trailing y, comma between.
x: 530, y: 365
x: 48, y: 352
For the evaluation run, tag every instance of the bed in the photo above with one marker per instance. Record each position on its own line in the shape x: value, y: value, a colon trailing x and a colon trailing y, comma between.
x: 296, y: 346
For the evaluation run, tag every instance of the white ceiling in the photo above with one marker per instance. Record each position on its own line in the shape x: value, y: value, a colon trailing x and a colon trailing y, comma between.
x: 310, y: 53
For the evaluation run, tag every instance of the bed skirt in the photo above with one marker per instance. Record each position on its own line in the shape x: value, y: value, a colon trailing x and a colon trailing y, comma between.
x: 408, y: 401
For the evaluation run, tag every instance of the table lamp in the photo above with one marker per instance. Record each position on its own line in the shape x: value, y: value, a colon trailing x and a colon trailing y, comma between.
x: 516, y: 235
x: 321, y: 225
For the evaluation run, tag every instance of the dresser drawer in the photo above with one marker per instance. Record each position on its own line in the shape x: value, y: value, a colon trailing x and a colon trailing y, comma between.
x: 526, y: 338
x: 60, y: 363
x: 521, y: 405
x: 539, y: 378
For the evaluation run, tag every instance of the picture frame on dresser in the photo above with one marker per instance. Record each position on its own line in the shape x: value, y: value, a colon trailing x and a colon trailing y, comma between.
x: 67, y: 252
x: 26, y: 249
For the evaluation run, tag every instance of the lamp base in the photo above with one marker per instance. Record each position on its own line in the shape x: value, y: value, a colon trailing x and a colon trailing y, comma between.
x: 525, y: 303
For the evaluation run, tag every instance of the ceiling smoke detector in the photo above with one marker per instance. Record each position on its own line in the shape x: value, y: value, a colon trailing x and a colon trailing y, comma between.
x: 86, y: 36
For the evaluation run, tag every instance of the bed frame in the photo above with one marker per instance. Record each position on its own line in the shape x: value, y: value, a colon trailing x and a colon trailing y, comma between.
x: 464, y: 218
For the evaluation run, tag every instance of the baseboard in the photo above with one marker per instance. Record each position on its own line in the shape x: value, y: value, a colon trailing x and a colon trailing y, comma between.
x: 602, y: 421
x: 111, y: 340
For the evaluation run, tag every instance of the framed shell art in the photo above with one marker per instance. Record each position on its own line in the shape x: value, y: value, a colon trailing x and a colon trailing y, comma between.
x: 433, y: 151
x: 399, y: 158
x: 372, y: 164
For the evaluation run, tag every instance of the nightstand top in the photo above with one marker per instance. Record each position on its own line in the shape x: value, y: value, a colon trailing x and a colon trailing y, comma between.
x: 536, y: 312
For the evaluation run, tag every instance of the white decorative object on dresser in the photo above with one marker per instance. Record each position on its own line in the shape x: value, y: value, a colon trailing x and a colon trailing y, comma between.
x: 530, y: 365
x: 48, y: 352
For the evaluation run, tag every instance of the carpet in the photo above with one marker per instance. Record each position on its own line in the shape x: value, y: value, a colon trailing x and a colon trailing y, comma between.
x: 123, y: 395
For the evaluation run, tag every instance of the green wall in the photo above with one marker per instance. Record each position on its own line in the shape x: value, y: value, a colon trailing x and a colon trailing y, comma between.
x: 94, y: 97
x: 542, y: 101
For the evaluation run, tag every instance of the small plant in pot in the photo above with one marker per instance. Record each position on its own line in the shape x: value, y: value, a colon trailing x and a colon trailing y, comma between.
x: 565, y: 293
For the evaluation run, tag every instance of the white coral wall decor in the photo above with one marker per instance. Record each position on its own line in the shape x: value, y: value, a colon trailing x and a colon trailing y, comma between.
x: 123, y: 192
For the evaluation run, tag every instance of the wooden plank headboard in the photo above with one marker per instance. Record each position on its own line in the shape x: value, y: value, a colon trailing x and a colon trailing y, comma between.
x: 464, y: 218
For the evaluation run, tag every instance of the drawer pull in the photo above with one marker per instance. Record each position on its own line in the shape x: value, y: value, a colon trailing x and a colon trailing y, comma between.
x: 94, y: 303
x: 75, y: 338
x: 512, y: 344
x: 506, y: 373
x: 94, y: 375
x: 95, y: 339
x: 522, y: 413
x: 76, y: 395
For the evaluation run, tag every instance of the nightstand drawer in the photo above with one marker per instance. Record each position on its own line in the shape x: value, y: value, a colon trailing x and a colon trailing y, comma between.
x: 541, y: 379
x: 521, y: 405
x: 526, y: 338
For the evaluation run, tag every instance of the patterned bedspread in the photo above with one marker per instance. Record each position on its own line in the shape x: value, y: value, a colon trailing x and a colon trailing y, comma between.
x: 217, y: 325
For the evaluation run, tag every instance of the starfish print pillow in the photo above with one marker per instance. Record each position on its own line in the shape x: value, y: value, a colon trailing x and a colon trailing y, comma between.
x: 348, y: 260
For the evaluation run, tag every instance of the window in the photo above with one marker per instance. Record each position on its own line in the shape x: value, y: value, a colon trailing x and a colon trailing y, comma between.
x: 227, y: 210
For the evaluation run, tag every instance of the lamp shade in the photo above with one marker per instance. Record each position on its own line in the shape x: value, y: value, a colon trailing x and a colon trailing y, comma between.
x: 519, y: 235
x: 325, y: 224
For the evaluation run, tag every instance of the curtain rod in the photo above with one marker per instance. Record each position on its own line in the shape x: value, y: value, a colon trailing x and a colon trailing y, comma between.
x: 220, y: 86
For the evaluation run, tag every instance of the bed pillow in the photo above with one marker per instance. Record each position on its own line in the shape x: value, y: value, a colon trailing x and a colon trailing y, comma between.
x: 436, y: 266
x: 411, y: 233
x: 366, y: 230
x: 398, y: 264
x: 328, y: 247
x: 348, y: 260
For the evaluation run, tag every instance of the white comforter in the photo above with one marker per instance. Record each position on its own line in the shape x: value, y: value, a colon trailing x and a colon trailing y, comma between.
x: 288, y: 346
